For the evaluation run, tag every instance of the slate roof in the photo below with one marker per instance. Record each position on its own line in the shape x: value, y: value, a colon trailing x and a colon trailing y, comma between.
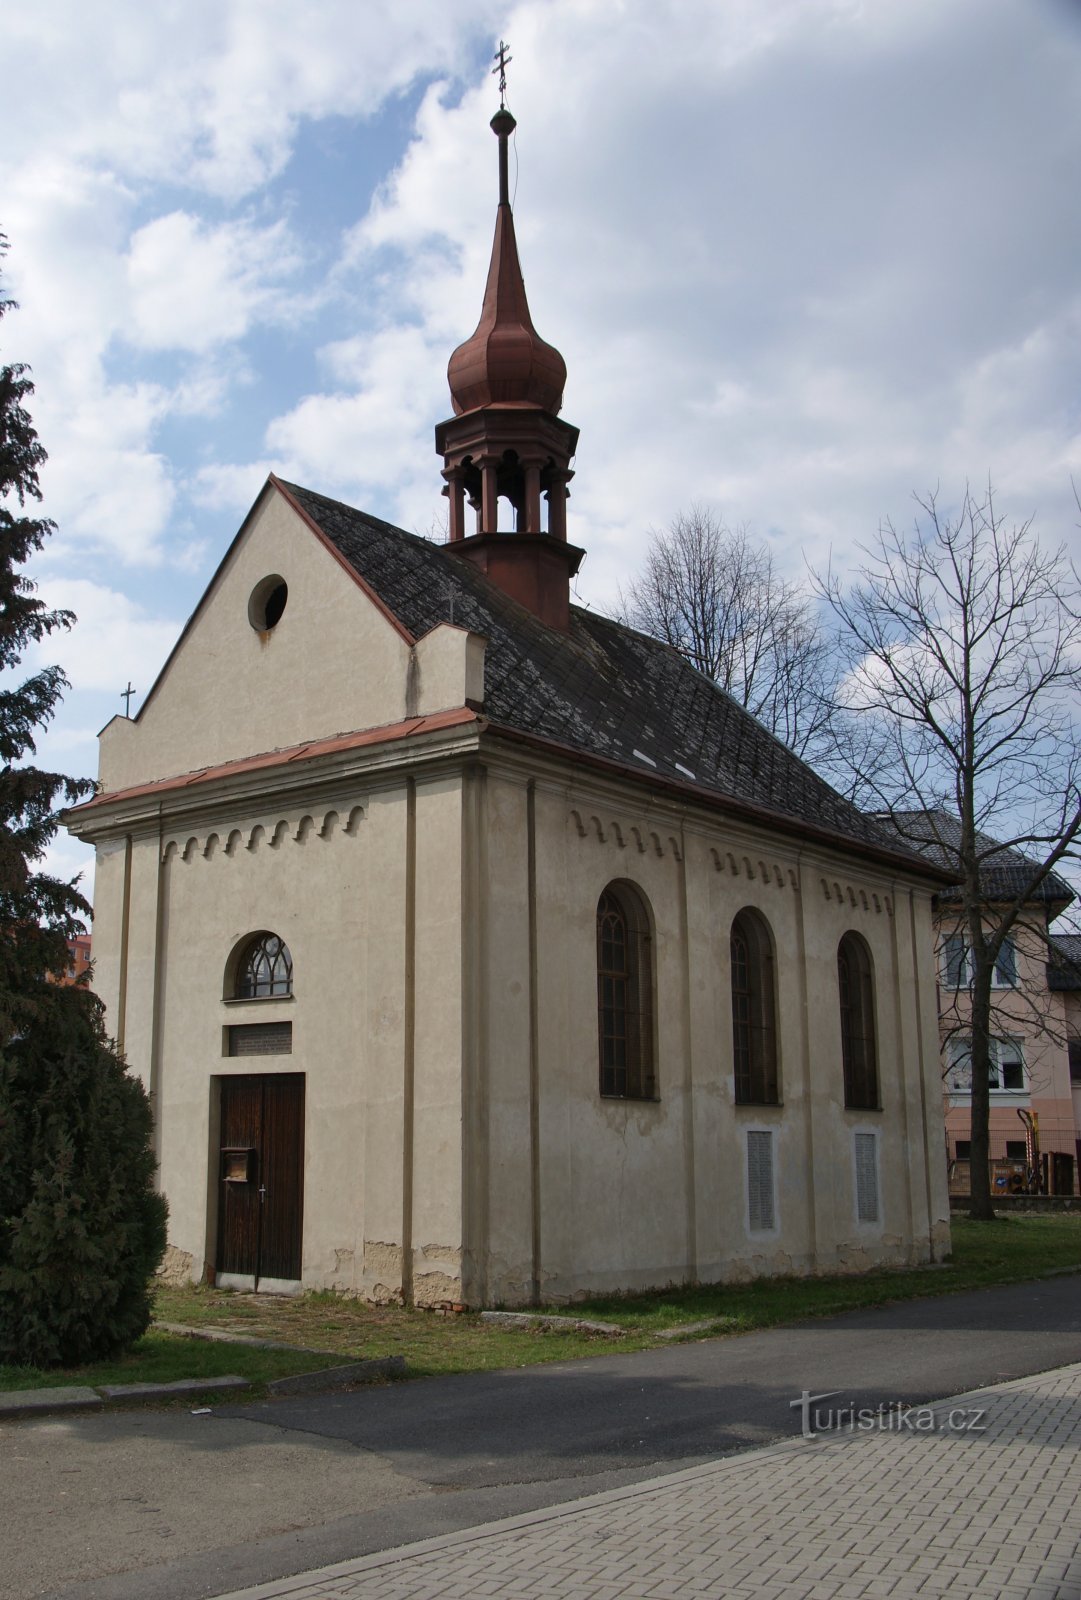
x: 1064, y: 967
x: 1004, y: 871
x: 603, y: 691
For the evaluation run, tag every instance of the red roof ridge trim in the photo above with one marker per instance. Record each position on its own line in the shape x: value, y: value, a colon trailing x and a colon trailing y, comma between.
x: 387, y: 733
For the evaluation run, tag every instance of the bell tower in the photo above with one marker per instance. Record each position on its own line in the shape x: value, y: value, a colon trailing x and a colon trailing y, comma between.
x: 506, y: 442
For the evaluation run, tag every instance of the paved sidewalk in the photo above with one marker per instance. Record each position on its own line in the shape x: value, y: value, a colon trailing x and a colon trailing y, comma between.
x: 988, y: 1504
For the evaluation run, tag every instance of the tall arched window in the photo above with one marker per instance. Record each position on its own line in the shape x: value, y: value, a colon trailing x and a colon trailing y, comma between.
x: 625, y: 994
x: 264, y: 969
x: 856, y: 986
x: 754, y: 1012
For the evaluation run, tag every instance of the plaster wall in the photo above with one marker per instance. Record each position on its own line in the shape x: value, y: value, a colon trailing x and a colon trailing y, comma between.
x: 590, y: 1193
x: 345, y: 885
x: 443, y: 933
x: 332, y: 664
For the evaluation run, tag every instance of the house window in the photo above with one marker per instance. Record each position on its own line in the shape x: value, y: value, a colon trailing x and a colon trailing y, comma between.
x: 957, y: 963
x: 754, y: 1025
x: 1006, y: 966
x: 761, y: 1211
x: 856, y: 987
x: 1016, y: 1150
x: 1006, y: 1074
x: 1074, y: 1048
x: 625, y: 995
x: 265, y: 969
x: 963, y: 1149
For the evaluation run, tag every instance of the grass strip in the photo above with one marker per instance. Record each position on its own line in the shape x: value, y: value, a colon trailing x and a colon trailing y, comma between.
x: 1008, y: 1250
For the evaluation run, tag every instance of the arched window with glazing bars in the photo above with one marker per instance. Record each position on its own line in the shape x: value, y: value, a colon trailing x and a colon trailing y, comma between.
x: 264, y: 970
x: 856, y: 991
x: 625, y: 995
x: 754, y: 1012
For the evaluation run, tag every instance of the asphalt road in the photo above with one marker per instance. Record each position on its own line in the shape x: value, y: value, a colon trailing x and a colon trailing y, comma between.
x: 170, y: 1506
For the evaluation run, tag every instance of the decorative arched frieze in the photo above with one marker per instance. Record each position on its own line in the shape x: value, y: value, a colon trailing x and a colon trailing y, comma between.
x: 625, y: 834
x: 271, y: 833
x: 856, y: 897
x: 768, y: 872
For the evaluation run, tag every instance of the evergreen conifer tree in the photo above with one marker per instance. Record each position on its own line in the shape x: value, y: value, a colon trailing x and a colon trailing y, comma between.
x: 81, y: 1228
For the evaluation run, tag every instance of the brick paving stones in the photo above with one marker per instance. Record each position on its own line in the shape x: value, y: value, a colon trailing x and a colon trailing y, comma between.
x: 987, y: 1505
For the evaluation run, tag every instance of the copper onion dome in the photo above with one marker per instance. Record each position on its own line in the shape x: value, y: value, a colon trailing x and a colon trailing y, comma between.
x: 505, y: 361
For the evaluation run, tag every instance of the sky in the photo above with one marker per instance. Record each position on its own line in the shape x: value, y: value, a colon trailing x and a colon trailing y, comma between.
x: 803, y: 258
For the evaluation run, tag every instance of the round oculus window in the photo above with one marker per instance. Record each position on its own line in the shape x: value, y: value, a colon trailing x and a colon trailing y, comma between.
x: 266, y: 603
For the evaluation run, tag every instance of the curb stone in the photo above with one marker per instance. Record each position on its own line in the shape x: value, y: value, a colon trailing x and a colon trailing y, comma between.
x: 21, y: 1403
x: 44, y: 1402
x: 179, y: 1389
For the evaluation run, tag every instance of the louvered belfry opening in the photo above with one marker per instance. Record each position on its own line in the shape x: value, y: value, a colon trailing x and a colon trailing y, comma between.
x: 625, y: 995
x: 506, y: 442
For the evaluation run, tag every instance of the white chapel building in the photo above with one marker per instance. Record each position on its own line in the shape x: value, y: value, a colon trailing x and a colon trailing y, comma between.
x: 475, y: 948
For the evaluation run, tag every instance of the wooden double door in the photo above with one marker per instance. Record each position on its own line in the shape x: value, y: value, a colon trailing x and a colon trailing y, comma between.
x: 261, y: 1178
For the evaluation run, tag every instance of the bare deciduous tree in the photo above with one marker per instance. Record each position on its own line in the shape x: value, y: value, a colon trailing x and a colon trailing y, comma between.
x: 962, y: 641
x: 714, y: 595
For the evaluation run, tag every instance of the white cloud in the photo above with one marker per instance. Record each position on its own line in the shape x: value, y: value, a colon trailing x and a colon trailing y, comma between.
x: 230, y: 487
x: 778, y: 246
x: 210, y: 96
x: 66, y: 859
x: 374, y: 438
x: 113, y: 636
x: 209, y: 102
x: 802, y: 257
x: 194, y: 287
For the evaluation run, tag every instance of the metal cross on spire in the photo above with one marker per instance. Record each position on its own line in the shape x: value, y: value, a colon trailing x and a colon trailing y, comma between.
x: 504, y: 61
